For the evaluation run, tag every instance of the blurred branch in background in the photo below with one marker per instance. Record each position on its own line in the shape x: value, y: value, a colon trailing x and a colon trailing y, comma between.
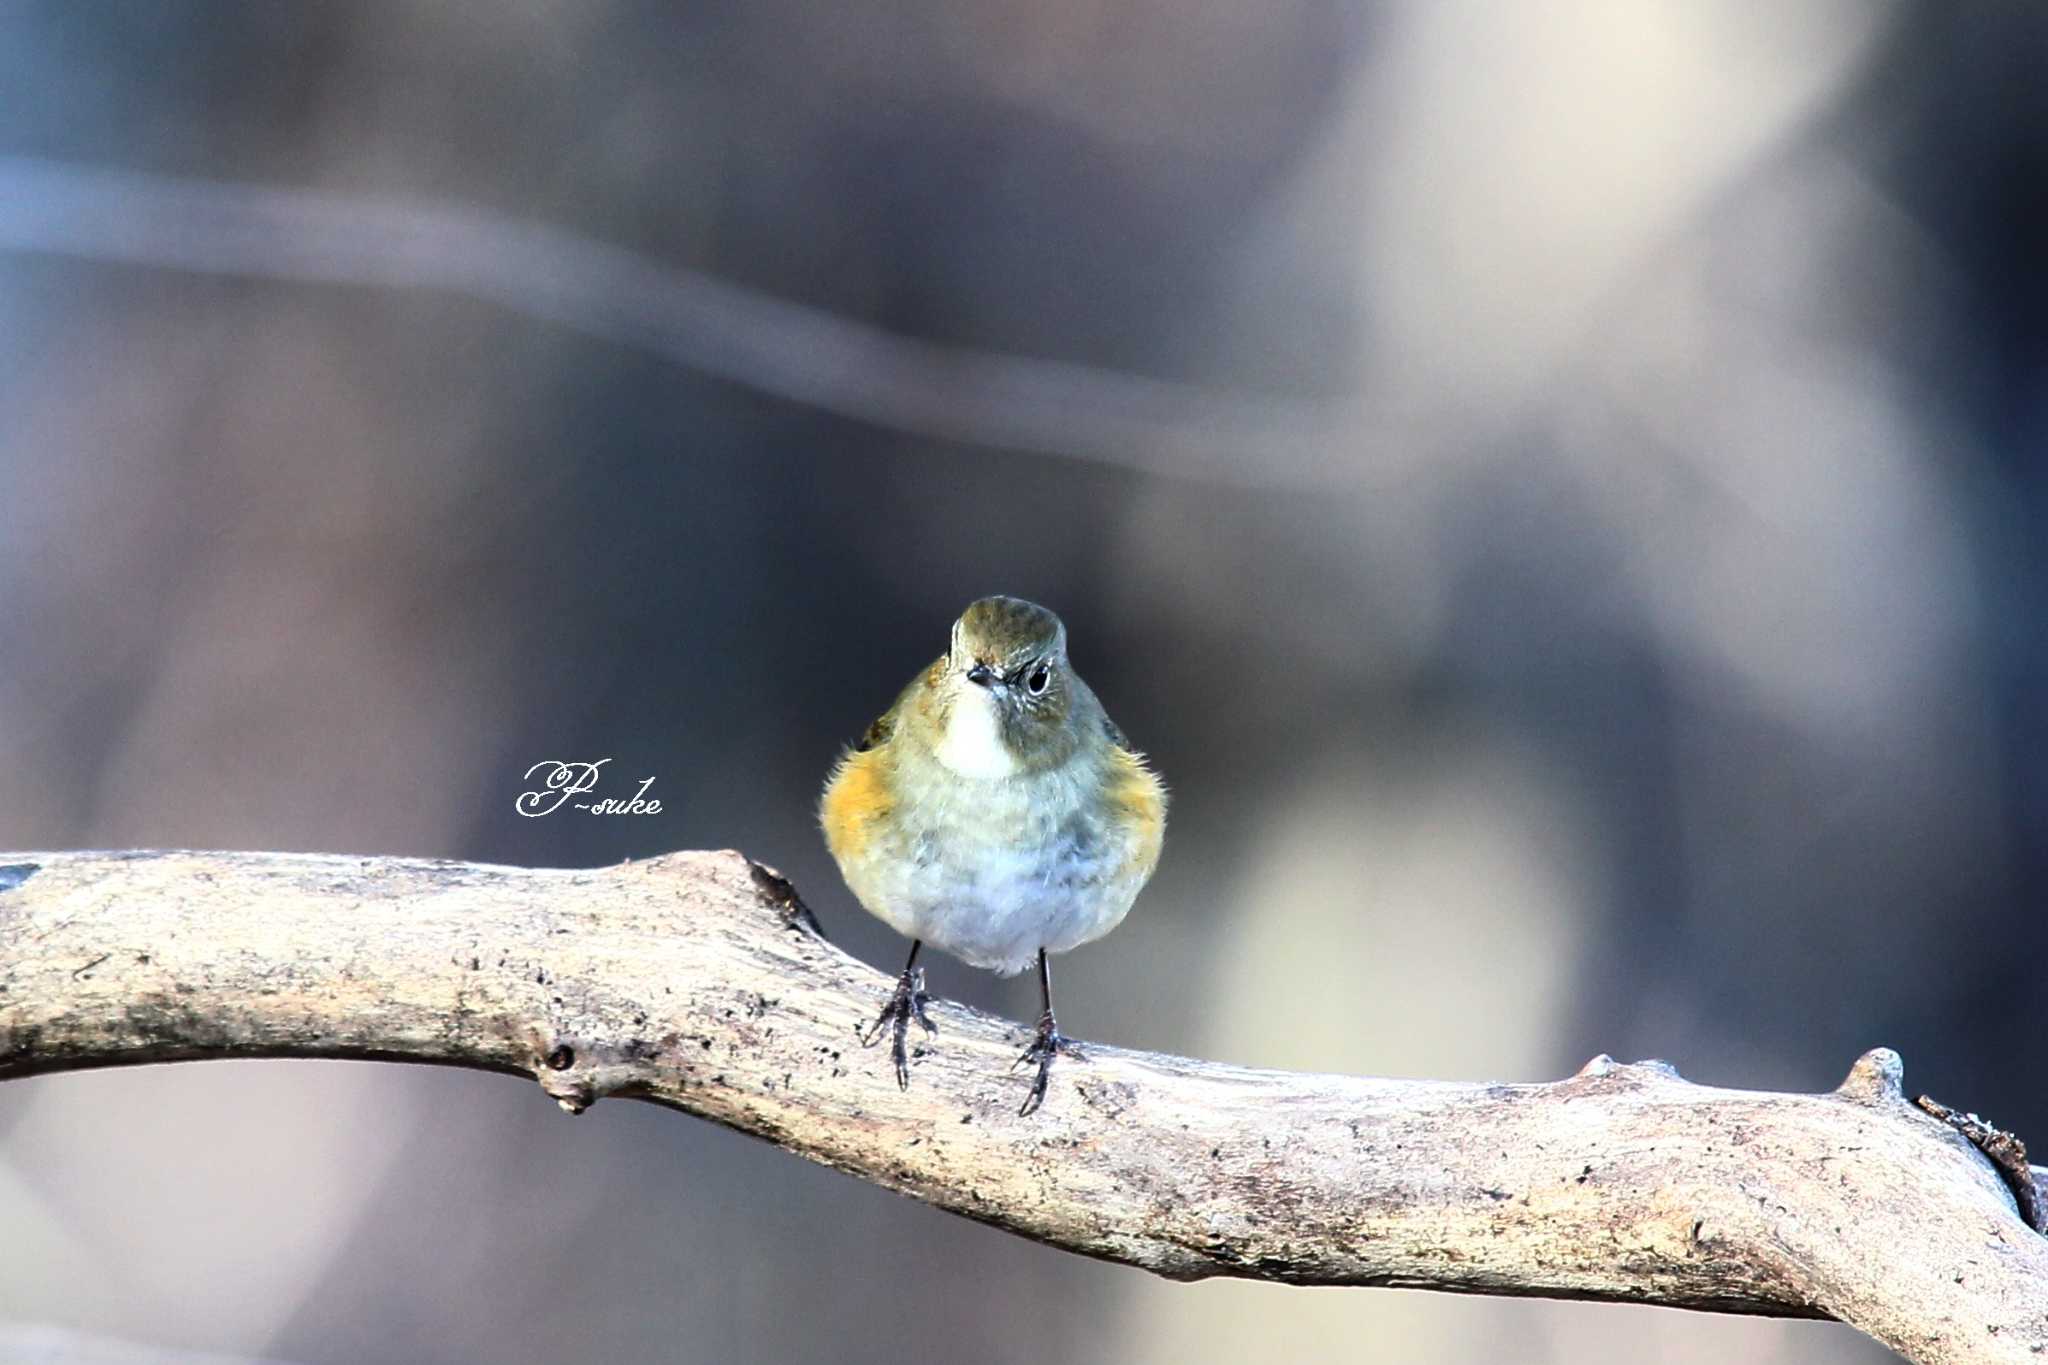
x: 47, y: 1344
x: 698, y: 981
x: 772, y: 345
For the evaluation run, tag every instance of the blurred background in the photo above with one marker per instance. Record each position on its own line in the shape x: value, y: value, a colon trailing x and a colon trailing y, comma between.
x: 1553, y: 486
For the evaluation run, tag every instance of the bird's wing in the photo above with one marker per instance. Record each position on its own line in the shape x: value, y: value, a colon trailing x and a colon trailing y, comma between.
x: 878, y: 732
x: 884, y: 727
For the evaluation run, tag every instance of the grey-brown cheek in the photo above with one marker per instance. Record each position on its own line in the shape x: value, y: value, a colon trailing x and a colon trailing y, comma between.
x: 1020, y: 727
x: 1015, y: 729
x: 1025, y: 725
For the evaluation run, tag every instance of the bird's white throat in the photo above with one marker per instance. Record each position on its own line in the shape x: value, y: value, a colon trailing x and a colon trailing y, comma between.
x: 973, y: 743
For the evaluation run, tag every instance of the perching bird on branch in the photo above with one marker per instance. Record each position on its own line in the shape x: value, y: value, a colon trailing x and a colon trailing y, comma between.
x: 996, y: 812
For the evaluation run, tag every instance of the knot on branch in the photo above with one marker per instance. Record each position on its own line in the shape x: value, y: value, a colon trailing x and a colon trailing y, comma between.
x: 578, y: 1077
x: 1605, y: 1068
x: 776, y: 890
x: 1878, y: 1077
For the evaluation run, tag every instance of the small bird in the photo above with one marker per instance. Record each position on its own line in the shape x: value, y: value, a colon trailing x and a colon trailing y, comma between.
x: 994, y: 811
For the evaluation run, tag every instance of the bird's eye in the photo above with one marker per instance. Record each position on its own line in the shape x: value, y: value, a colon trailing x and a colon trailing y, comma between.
x: 1040, y: 676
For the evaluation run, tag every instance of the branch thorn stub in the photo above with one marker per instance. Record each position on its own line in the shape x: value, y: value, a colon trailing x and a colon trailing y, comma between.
x: 1878, y: 1076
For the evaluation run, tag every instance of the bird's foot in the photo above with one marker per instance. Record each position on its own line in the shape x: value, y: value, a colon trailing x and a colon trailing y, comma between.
x: 906, y: 1004
x: 1048, y: 1043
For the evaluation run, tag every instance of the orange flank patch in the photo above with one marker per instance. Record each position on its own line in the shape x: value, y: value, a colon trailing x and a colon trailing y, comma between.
x: 1139, y: 799
x: 855, y: 799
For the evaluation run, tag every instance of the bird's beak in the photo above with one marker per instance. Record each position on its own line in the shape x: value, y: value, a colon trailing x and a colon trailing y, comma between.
x: 981, y: 675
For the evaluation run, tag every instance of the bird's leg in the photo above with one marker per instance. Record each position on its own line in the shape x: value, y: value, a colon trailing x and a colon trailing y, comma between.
x: 905, y: 1005
x: 1048, y: 1043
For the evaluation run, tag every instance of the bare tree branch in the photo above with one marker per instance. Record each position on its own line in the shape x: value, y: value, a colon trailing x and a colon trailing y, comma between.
x: 693, y: 980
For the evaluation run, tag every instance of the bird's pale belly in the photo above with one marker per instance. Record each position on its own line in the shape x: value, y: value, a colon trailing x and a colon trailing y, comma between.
x: 992, y: 878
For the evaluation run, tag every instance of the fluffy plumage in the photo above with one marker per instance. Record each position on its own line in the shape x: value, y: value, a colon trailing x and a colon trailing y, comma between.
x: 995, y: 810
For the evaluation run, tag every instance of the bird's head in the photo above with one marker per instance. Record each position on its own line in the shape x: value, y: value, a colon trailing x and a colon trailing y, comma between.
x: 1008, y: 699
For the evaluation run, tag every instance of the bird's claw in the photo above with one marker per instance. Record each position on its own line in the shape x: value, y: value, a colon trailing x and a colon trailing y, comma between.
x: 1046, y: 1044
x: 906, y: 1004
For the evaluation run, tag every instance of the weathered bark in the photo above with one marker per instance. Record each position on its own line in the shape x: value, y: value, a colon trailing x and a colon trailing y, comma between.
x: 695, y: 980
